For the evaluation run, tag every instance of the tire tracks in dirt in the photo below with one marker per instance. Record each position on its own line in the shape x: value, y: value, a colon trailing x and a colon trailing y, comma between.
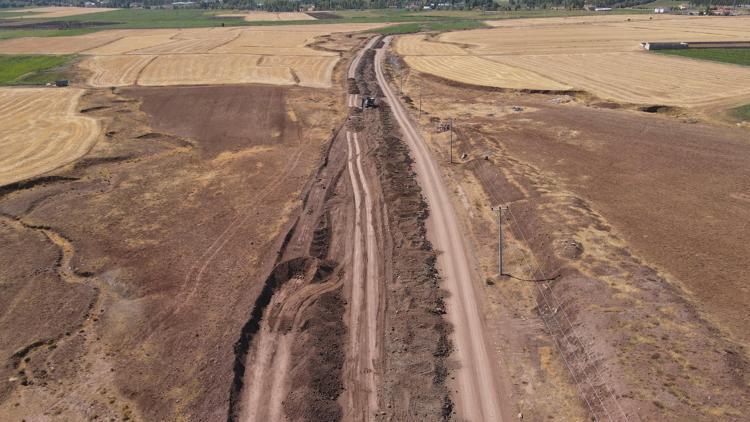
x: 192, y: 278
x: 365, y: 302
x: 266, y: 389
x: 479, y: 396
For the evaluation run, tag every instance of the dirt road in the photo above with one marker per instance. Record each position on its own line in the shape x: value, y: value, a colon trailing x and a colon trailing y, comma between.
x: 478, y: 397
x: 363, y: 314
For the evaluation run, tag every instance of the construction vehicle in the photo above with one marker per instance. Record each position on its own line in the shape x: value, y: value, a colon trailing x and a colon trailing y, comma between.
x: 368, y: 102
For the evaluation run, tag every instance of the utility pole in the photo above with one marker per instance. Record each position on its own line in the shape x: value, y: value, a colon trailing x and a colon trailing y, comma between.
x: 451, y: 141
x: 420, y: 101
x: 500, y: 239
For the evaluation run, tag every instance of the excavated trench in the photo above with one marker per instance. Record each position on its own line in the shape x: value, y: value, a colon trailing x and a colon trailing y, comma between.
x: 297, y: 327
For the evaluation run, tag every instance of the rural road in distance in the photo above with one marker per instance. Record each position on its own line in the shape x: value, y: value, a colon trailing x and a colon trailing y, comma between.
x: 478, y: 396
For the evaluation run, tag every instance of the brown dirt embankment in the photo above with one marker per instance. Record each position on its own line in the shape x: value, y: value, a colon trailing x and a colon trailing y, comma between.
x: 163, y: 241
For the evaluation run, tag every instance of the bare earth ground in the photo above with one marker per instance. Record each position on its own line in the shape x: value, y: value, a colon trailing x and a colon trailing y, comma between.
x: 638, y: 219
x: 135, y: 267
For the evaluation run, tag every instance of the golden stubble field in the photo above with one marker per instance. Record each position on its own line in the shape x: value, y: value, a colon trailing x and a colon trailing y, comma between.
x: 41, y: 130
x: 256, y: 16
x: 56, y: 12
x: 598, y: 54
x: 279, y: 55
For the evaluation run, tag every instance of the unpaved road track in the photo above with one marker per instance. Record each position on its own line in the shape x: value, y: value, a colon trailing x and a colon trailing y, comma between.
x: 352, y: 99
x: 478, y: 397
x: 361, y: 379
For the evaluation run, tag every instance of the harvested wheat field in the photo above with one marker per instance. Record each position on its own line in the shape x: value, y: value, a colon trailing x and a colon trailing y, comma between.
x: 280, y: 55
x: 57, y: 12
x: 599, y: 54
x: 32, y: 145
x: 59, y: 45
x: 269, y: 16
x: 101, y: 69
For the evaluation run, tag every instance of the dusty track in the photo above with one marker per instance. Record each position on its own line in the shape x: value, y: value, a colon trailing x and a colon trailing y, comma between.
x: 363, y: 313
x: 269, y: 385
x: 479, y: 395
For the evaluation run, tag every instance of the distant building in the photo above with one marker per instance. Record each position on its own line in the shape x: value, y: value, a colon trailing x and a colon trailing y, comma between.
x: 603, y: 9
x: 184, y: 4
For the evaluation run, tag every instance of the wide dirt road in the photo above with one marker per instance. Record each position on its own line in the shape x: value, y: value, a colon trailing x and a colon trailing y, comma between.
x: 478, y: 397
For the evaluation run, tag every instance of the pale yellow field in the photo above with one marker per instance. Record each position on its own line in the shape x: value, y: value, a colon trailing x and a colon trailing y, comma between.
x: 481, y: 71
x: 130, y: 43
x: 103, y: 74
x: 41, y: 130
x: 58, y: 12
x: 598, y: 54
x: 198, y: 69
x: 275, y: 55
x: 270, y: 16
x: 59, y: 45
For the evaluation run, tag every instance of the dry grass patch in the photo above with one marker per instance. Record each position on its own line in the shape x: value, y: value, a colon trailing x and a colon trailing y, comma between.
x: 41, y: 130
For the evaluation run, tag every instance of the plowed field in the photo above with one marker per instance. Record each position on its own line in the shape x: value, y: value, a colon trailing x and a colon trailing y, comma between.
x: 32, y: 145
x: 600, y: 55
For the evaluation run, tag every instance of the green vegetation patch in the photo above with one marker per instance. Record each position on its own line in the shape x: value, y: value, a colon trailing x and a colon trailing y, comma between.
x: 741, y: 113
x: 162, y: 18
x: 409, y: 21
x: 439, y: 26
x: 19, y: 33
x: 739, y: 56
x: 14, y: 13
x: 31, y: 70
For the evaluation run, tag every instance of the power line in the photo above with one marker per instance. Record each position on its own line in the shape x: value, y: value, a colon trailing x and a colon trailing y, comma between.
x: 559, y: 348
x: 559, y: 307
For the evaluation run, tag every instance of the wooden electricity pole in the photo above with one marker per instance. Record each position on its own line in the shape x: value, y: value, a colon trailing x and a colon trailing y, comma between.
x: 500, y: 237
x: 451, y: 141
x: 420, y: 101
x: 500, y: 240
